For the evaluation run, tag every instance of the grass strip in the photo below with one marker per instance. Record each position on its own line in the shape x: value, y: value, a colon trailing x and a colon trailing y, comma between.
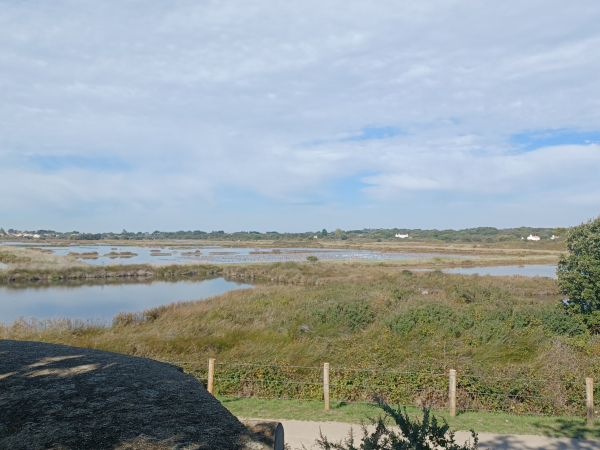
x: 354, y: 413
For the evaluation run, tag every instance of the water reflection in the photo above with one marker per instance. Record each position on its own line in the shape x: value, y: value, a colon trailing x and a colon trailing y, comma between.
x: 102, y: 254
x: 526, y: 271
x: 102, y: 300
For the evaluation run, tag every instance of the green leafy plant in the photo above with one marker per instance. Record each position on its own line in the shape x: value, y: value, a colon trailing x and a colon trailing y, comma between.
x: 425, y: 434
x: 356, y: 315
x: 312, y: 259
x: 579, y: 272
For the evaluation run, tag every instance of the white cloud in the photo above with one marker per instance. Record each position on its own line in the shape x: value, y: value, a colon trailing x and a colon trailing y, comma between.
x: 543, y: 171
x: 201, y: 97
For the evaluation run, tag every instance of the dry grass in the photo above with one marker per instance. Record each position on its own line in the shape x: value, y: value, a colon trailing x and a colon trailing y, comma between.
x: 276, y: 322
x: 352, y: 315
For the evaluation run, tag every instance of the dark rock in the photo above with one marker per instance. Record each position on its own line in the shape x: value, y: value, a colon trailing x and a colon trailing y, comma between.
x: 61, y: 397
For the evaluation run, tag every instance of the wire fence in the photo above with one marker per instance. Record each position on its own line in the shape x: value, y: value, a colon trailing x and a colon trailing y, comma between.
x: 432, y: 390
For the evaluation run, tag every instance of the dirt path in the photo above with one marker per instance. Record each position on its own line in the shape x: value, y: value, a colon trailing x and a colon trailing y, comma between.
x: 298, y: 433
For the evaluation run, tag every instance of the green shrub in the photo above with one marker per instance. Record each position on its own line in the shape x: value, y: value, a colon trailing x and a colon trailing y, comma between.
x: 579, y: 271
x: 354, y: 315
x: 400, y: 294
x: 476, y: 293
x: 426, y: 434
x: 401, y: 325
x: 557, y: 321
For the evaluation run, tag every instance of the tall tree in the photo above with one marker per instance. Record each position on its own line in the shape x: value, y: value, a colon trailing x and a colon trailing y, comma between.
x: 579, y: 272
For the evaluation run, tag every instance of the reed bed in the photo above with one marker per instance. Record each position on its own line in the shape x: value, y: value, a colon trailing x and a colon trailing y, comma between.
x: 358, y: 317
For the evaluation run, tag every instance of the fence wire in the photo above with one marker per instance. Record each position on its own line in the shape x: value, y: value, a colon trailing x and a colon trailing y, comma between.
x: 512, y: 395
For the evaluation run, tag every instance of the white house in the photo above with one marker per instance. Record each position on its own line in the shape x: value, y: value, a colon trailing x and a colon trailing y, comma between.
x: 402, y: 236
x: 533, y: 238
x: 554, y: 237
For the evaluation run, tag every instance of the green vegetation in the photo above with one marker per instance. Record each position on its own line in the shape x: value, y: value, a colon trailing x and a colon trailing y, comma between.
x: 474, y: 235
x: 413, y: 434
x: 355, y: 413
x: 34, y: 264
x: 579, y: 272
x: 503, y: 335
x: 84, y: 271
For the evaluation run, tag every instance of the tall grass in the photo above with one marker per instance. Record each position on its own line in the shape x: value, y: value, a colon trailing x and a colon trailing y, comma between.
x: 420, y: 322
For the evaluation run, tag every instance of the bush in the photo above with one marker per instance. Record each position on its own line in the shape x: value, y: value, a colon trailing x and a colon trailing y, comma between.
x: 557, y: 321
x: 355, y: 315
x: 579, y: 272
x: 426, y: 434
x: 431, y: 318
x: 312, y: 259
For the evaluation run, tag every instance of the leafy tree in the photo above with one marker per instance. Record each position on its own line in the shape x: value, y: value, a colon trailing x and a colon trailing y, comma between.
x: 426, y: 434
x: 324, y: 232
x: 579, y: 272
x: 559, y: 231
x: 2, y: 231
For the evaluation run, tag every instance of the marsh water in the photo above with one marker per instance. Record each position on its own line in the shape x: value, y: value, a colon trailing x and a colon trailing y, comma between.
x: 101, y: 301
x: 107, y: 254
x: 500, y: 271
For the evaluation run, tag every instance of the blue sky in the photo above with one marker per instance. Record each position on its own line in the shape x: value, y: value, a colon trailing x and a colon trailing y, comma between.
x: 296, y: 116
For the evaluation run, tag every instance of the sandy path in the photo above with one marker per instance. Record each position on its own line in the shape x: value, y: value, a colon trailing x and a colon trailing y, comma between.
x: 298, y: 433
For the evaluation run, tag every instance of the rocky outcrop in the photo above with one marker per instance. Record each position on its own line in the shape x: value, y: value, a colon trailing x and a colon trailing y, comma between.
x: 60, y: 397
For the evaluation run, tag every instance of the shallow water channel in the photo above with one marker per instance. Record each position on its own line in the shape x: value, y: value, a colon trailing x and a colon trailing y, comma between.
x: 107, y: 254
x: 100, y: 302
x: 502, y: 271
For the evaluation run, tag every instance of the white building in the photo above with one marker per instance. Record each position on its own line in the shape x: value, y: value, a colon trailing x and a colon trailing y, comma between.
x: 533, y: 238
x: 554, y: 237
x: 402, y: 236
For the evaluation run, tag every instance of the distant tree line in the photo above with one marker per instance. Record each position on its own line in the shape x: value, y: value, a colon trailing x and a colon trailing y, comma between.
x: 480, y: 234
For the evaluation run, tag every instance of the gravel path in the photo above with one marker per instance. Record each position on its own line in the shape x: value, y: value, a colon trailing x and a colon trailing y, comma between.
x: 60, y: 397
x: 298, y: 433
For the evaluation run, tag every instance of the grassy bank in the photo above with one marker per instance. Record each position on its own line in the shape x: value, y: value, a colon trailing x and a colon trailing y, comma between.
x: 22, y: 274
x: 32, y: 264
x: 503, y: 335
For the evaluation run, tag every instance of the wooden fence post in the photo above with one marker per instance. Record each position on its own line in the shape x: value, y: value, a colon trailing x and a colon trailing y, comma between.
x: 452, y: 393
x: 326, y: 385
x: 211, y: 376
x: 589, y: 390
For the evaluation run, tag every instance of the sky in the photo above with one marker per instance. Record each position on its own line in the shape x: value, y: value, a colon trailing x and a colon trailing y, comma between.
x: 298, y: 115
